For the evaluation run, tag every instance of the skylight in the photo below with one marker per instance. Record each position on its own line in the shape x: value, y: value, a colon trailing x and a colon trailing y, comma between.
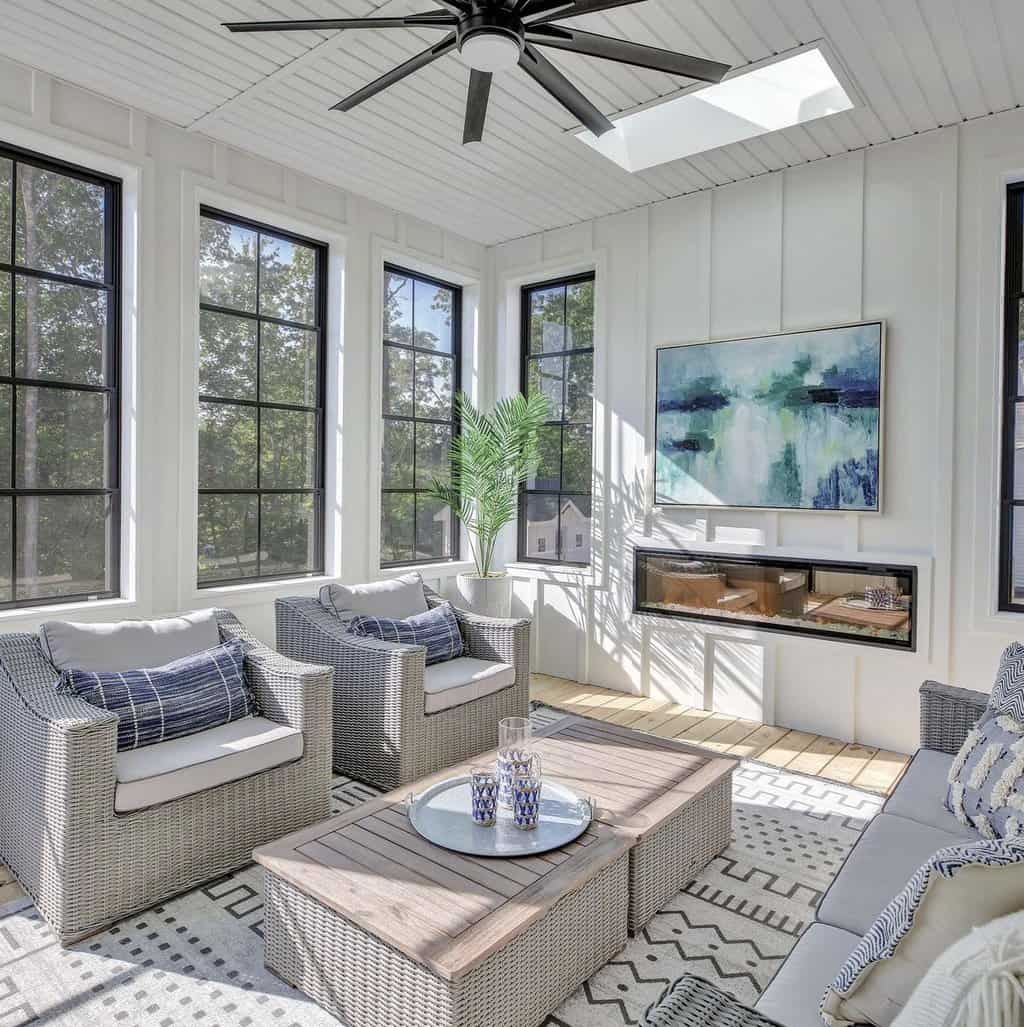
x: 780, y: 94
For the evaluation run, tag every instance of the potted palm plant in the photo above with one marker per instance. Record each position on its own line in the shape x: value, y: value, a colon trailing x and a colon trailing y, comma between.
x: 492, y: 457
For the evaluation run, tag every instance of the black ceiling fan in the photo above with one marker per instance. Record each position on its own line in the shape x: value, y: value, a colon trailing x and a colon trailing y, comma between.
x: 497, y: 35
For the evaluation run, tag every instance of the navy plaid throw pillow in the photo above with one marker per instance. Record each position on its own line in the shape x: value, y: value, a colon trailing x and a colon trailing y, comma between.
x: 437, y: 629
x: 192, y: 694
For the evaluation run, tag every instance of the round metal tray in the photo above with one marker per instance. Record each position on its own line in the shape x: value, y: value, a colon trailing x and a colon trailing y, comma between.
x: 442, y: 816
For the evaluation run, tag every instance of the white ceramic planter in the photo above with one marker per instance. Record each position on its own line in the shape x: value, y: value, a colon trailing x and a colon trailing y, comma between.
x: 489, y: 597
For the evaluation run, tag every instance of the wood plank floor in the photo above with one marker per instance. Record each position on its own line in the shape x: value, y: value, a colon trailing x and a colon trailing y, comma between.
x: 874, y: 770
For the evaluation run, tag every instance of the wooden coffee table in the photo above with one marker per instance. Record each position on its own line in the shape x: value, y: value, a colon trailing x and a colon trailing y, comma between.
x: 673, y: 801
x: 384, y: 929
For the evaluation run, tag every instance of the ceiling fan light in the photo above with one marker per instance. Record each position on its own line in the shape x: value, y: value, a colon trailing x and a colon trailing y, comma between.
x: 490, y: 51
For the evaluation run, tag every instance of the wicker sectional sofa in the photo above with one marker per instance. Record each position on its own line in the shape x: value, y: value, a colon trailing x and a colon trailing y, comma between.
x: 86, y: 865
x: 913, y: 824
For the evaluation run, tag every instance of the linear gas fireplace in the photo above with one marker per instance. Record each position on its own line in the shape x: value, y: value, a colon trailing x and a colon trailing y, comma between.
x: 874, y: 604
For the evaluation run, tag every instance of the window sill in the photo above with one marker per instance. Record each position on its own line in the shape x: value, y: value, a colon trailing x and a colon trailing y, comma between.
x: 255, y: 592
x: 448, y: 569
x: 567, y: 572
x: 56, y: 611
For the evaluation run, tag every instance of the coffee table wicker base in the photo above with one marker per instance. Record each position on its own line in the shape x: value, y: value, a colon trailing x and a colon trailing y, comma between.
x: 367, y: 983
x: 669, y: 858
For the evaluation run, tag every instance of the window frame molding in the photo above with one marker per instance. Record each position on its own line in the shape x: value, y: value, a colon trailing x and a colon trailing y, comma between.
x: 319, y: 489
x: 456, y: 357
x: 509, y: 283
x: 121, y: 187
x: 199, y: 191
x: 385, y: 251
x: 1012, y: 390
x: 525, y: 356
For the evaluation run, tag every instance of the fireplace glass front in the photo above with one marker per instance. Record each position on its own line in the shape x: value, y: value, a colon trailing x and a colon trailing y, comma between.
x: 857, y: 602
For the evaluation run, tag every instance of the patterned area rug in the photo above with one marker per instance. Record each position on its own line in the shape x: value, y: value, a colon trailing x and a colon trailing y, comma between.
x: 199, y: 959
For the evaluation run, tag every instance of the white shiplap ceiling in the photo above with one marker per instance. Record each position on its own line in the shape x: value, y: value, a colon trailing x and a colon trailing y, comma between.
x: 918, y: 65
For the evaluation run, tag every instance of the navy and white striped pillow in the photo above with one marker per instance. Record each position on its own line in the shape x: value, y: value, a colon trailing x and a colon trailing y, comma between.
x: 192, y: 694
x: 437, y: 629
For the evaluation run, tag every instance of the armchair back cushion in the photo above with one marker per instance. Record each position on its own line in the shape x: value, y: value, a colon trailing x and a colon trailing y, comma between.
x: 396, y: 598
x: 437, y: 629
x: 195, y: 693
x: 127, y: 644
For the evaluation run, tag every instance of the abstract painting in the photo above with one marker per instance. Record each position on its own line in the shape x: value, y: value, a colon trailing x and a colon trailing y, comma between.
x: 789, y: 421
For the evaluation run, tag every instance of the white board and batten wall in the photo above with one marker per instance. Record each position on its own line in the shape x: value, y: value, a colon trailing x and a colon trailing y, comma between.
x: 167, y: 173
x: 908, y: 232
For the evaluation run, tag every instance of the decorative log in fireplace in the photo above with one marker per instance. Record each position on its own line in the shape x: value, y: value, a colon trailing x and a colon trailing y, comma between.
x: 871, y: 604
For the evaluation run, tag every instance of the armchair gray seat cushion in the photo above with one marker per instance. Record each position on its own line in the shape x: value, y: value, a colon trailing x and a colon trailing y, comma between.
x: 462, y: 680
x: 128, y: 644
x: 921, y: 794
x: 794, y: 995
x: 182, y: 766
x: 886, y: 856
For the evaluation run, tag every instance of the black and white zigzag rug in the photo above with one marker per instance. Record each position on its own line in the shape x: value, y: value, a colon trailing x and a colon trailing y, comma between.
x: 199, y: 959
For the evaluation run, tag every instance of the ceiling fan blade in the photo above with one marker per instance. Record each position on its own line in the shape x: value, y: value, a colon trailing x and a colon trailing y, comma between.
x: 476, y: 106
x: 389, y: 78
x: 431, y: 19
x: 546, y: 75
x: 564, y: 38
x: 540, y: 12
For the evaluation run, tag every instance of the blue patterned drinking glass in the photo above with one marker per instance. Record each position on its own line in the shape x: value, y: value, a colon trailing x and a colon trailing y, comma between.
x: 483, y: 786
x: 515, y: 735
x: 526, y: 788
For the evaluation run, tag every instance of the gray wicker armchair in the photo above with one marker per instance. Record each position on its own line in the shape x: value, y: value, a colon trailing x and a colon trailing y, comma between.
x: 87, y: 866
x: 382, y: 733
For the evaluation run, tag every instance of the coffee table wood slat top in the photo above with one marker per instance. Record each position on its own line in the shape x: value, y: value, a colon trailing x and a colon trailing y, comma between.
x: 449, y: 912
x: 638, y: 781
x: 444, y: 911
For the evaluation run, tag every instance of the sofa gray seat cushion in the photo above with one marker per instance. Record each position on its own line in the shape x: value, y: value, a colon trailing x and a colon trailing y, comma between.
x: 794, y: 995
x: 128, y: 644
x: 921, y: 792
x: 454, y: 682
x: 182, y: 766
x: 886, y: 856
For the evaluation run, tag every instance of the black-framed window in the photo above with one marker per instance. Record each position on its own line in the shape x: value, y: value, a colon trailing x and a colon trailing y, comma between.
x: 558, y: 360
x: 60, y: 331
x: 1011, y: 541
x: 262, y: 387
x: 421, y: 377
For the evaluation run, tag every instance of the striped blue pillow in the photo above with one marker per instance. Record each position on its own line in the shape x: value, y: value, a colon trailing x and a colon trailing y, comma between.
x: 437, y: 629
x: 192, y: 694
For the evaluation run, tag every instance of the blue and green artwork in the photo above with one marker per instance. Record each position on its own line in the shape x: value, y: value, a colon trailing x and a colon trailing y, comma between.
x: 785, y: 421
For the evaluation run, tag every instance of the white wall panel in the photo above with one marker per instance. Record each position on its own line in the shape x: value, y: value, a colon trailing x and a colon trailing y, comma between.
x: 680, y: 270
x: 822, y: 244
x: 746, y: 257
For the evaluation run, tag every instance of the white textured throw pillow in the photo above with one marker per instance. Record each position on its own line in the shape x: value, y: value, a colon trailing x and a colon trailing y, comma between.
x: 396, y: 598
x: 960, y: 887
x: 979, y: 980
